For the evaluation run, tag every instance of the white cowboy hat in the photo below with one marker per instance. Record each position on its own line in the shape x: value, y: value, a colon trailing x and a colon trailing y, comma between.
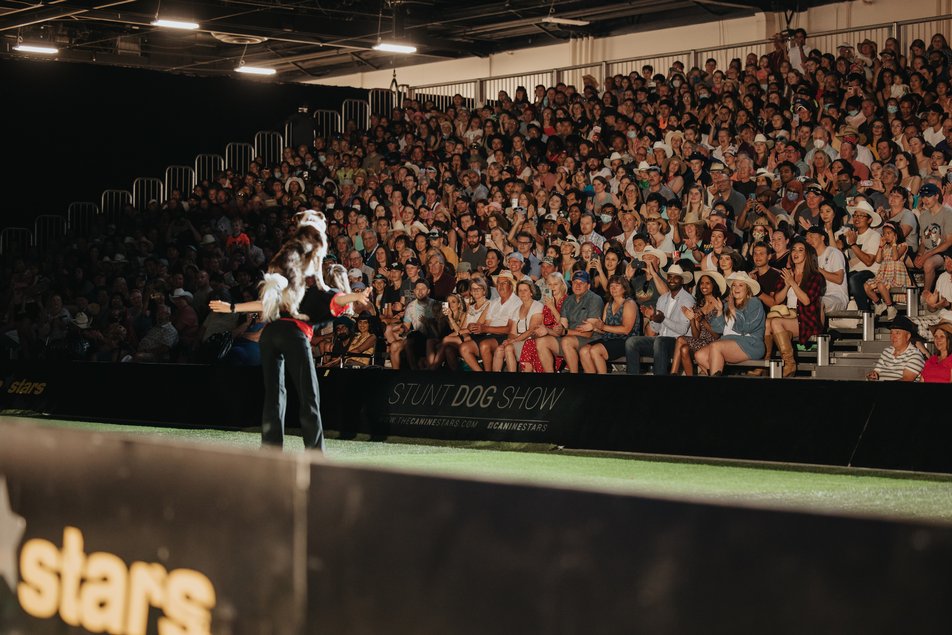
x: 572, y: 240
x: 744, y: 277
x: 81, y: 320
x: 616, y: 156
x: 760, y: 138
x: 767, y: 173
x: 644, y: 165
x: 661, y: 145
x: 662, y: 257
x: 875, y: 220
x: 676, y: 270
x: 716, y: 277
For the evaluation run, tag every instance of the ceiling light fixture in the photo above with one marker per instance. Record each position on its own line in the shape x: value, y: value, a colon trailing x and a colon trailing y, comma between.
x: 390, y: 47
x: 32, y: 48
x: 254, y: 70
x: 175, y: 24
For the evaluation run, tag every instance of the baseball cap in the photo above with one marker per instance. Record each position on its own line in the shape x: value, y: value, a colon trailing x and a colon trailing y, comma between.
x: 412, y: 261
x: 355, y: 273
x: 396, y: 265
x: 929, y: 189
x: 583, y: 276
x: 516, y: 255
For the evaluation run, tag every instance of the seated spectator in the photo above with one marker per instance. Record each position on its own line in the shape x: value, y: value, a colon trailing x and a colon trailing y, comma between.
x: 493, y: 326
x: 528, y: 318
x: 901, y: 361
x: 158, y: 343
x: 185, y: 319
x: 861, y: 246
x: 457, y: 314
x: 935, y: 233
x: 619, y: 320
x: 421, y: 309
x: 708, y: 301
x: 664, y: 322
x: 741, y: 324
x: 832, y: 267
x: 938, y: 368
x: 892, y: 272
x: 799, y: 309
x: 552, y: 302
x: 577, y: 331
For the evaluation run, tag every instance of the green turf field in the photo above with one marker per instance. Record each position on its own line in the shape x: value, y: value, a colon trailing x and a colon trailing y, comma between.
x: 853, y: 492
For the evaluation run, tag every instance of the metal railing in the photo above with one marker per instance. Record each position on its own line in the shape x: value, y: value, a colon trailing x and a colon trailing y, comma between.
x: 238, y: 156
x: 383, y: 101
x: 146, y: 189
x: 80, y: 216
x: 327, y: 122
x: 483, y: 89
x: 208, y: 166
x: 441, y: 95
x: 47, y: 229
x: 356, y: 110
x: 269, y: 146
x: 11, y: 237
x: 181, y: 178
x: 112, y: 203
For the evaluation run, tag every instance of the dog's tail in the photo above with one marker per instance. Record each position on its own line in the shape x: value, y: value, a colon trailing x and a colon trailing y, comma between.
x: 271, y: 293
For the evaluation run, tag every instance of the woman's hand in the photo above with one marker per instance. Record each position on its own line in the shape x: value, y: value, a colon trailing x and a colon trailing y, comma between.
x: 689, y: 313
x: 787, y: 276
x: 219, y: 306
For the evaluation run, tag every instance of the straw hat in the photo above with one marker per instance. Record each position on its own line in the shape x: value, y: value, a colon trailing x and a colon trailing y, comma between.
x: 716, y: 277
x: 676, y: 270
x: 875, y: 220
x: 662, y: 257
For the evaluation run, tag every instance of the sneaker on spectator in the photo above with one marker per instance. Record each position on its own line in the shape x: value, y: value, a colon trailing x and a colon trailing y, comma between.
x: 880, y: 308
x: 891, y: 313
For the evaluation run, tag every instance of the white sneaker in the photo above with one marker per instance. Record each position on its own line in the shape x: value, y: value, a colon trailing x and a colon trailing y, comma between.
x: 880, y: 308
x: 891, y: 313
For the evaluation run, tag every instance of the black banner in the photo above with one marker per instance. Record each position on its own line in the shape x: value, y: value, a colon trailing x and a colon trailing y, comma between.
x: 99, y: 533
x: 888, y: 425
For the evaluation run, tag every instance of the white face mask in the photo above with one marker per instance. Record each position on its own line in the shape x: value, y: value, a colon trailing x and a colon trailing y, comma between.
x: 606, y: 218
x: 819, y: 144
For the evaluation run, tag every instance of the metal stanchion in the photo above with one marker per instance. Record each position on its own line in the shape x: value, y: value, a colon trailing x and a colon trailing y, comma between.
x: 823, y: 350
x: 869, y: 327
x: 912, y: 301
x: 776, y: 369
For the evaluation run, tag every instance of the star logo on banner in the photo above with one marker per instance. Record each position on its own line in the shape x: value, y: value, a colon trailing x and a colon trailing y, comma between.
x: 11, y: 531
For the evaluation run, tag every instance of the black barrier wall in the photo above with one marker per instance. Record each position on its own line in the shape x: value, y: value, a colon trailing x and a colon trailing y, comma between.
x: 105, y: 533
x: 102, y: 534
x: 888, y: 425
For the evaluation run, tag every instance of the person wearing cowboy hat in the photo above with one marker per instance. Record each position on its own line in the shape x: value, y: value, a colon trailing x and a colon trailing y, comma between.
x: 935, y: 233
x: 862, y: 244
x: 666, y: 321
x: 709, y: 290
x: 938, y: 368
x: 741, y: 324
x: 901, y: 361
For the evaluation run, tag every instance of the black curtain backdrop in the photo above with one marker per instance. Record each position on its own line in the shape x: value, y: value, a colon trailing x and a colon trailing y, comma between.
x: 74, y: 130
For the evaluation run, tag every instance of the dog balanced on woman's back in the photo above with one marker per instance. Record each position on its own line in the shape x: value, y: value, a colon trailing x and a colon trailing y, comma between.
x: 300, y: 256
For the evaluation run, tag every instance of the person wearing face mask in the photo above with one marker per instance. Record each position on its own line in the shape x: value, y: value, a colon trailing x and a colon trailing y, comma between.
x: 821, y: 143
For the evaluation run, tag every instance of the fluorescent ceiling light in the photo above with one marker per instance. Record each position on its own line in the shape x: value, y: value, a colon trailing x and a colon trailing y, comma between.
x: 389, y: 47
x: 255, y: 70
x: 30, y: 48
x: 551, y: 19
x: 175, y: 24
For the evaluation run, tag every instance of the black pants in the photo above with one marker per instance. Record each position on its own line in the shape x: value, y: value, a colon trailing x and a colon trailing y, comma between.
x: 284, y: 347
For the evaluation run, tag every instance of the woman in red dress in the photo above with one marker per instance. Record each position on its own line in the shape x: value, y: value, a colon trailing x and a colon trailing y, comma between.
x: 938, y: 368
x: 551, y: 314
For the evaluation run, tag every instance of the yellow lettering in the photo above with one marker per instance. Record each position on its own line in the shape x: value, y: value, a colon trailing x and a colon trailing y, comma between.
x: 39, y: 388
x: 71, y: 574
x: 39, y: 591
x: 146, y: 588
x: 103, y: 596
x: 190, y: 597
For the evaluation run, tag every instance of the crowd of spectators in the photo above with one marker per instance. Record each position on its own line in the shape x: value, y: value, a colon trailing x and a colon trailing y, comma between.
x: 696, y: 216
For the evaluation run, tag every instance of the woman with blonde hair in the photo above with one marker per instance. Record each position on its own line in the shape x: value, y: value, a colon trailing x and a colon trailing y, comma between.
x: 741, y: 325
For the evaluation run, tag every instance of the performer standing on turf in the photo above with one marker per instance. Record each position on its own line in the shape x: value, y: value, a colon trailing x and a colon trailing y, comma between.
x: 291, y: 308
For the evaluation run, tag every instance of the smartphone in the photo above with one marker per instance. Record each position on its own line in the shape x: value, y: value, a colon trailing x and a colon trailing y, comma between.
x: 752, y: 197
x: 866, y: 183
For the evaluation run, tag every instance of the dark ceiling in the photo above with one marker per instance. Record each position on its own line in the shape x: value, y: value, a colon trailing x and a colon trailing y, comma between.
x: 307, y: 39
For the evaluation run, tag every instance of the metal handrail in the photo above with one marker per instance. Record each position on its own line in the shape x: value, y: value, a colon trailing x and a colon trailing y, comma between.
x: 694, y: 56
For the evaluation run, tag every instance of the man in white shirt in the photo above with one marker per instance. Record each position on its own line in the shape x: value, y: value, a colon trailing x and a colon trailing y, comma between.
x: 862, y: 245
x: 832, y: 267
x: 667, y: 322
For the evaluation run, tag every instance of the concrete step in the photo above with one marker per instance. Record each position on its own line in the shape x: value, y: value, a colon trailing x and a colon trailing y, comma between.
x: 841, y: 372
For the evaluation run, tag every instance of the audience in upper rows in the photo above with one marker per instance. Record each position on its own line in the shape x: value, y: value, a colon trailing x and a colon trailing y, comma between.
x: 691, y: 215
